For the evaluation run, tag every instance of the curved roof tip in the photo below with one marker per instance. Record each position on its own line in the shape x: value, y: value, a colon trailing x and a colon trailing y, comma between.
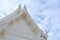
x: 19, y: 6
x: 24, y: 8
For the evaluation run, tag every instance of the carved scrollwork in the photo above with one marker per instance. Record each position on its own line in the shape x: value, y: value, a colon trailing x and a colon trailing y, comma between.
x: 35, y: 30
x: 30, y: 23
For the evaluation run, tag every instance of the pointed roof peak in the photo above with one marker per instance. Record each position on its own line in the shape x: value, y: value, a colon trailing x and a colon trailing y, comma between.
x: 24, y: 8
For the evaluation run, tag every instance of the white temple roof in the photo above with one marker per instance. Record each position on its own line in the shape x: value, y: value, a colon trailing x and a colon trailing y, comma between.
x: 16, y: 21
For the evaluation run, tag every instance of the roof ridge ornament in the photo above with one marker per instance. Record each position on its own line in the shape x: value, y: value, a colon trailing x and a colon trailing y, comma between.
x: 24, y: 8
x: 19, y: 7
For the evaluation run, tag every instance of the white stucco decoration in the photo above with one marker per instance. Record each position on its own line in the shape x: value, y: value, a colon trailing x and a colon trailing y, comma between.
x: 20, y: 26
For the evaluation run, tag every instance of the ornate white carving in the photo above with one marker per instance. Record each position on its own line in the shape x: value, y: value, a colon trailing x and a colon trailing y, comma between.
x: 16, y: 18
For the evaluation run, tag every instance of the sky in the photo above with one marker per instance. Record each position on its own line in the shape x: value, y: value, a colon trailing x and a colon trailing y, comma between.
x: 45, y: 13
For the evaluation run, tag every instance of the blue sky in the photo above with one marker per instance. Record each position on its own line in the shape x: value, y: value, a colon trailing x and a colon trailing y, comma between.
x: 44, y: 12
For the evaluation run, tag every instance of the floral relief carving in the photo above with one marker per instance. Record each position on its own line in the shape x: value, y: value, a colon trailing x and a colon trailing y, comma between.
x: 30, y: 23
x: 34, y: 30
x: 24, y: 16
x: 11, y: 23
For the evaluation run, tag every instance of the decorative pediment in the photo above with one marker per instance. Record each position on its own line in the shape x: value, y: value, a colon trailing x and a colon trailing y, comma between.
x: 24, y: 26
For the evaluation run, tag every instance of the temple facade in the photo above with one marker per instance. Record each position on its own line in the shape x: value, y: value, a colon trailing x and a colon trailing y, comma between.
x: 20, y: 26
